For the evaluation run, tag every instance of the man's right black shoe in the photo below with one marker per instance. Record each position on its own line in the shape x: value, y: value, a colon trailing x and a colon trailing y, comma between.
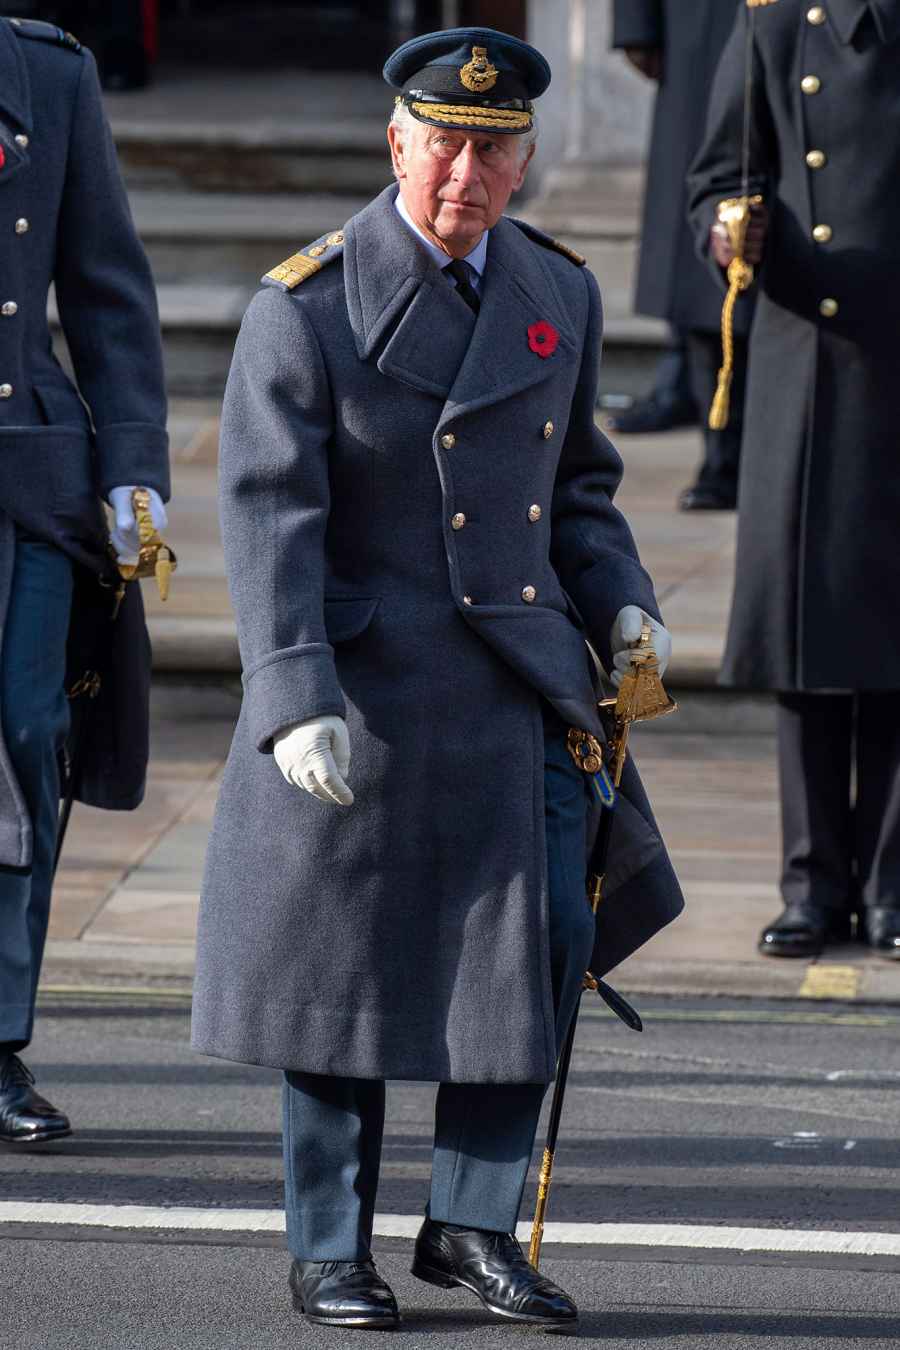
x: 343, y: 1294
x: 25, y: 1116
x: 494, y: 1267
x: 804, y: 930
x: 653, y: 414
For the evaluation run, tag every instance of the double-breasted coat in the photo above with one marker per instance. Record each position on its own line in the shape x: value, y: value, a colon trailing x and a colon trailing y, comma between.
x: 819, y: 492
x: 64, y: 219
x: 416, y: 507
x: 672, y: 282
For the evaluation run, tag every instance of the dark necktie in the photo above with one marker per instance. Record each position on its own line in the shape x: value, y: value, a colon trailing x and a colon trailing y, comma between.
x: 460, y: 272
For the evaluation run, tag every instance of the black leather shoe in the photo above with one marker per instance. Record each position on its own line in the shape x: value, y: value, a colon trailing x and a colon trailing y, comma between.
x: 652, y: 414
x: 706, y: 499
x: 25, y: 1116
x: 882, y: 931
x: 803, y: 930
x: 493, y: 1266
x: 343, y: 1294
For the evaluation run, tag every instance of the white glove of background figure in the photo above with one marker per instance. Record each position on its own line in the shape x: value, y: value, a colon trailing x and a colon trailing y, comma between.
x: 125, y: 534
x: 315, y: 755
x: 627, y: 629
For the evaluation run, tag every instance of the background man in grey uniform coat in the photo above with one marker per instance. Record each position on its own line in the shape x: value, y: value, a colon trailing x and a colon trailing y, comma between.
x: 64, y: 218
x: 816, y: 612
x: 416, y: 509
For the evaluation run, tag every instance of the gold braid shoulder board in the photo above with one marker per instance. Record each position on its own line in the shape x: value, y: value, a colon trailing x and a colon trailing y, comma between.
x: 547, y: 241
x: 310, y: 260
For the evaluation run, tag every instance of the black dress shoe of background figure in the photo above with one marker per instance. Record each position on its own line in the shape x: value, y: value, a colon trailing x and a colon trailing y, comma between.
x: 882, y: 931
x: 25, y: 1116
x: 343, y: 1294
x: 651, y: 414
x: 804, y: 930
x: 699, y: 498
x: 493, y: 1266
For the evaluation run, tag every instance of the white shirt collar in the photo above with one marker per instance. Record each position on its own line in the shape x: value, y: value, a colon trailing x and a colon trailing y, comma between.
x: 476, y: 259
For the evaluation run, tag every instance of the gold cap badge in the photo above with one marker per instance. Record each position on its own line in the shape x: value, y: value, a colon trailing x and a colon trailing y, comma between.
x: 479, y: 75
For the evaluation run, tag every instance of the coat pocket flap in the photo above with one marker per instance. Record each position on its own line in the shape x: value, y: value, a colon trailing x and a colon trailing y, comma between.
x: 348, y: 616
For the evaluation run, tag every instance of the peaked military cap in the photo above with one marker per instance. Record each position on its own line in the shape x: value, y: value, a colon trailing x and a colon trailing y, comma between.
x: 471, y: 79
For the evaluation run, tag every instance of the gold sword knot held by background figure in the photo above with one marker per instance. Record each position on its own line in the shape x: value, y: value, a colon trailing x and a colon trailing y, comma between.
x: 735, y: 214
x: 155, y: 558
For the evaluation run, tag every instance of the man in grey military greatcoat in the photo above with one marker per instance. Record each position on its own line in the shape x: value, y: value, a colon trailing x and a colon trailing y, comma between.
x: 64, y: 219
x: 419, y: 531
x: 816, y: 609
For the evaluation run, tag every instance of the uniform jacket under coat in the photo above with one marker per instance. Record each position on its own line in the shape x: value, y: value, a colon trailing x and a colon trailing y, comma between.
x: 59, y: 452
x: 406, y: 936
x: 819, y: 490
x: 672, y: 282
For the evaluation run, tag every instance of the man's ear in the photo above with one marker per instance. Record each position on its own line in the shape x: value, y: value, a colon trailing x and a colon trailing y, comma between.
x: 523, y: 169
x: 395, y: 141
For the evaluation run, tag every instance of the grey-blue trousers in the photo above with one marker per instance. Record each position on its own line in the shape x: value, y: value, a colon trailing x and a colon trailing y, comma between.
x: 484, y: 1133
x: 35, y: 715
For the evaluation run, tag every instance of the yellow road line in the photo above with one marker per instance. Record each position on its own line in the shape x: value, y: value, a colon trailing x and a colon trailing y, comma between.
x: 831, y: 981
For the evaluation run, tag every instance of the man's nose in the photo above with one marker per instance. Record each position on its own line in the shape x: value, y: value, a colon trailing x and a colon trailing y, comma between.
x: 467, y: 166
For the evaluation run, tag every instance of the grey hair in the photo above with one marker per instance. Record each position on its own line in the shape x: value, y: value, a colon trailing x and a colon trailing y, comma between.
x: 404, y: 121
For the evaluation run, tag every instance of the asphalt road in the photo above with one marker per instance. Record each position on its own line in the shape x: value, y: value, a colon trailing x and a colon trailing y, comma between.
x: 741, y: 1114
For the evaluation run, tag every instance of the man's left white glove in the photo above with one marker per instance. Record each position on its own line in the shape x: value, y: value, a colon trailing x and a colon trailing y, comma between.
x: 627, y: 630
x: 125, y: 534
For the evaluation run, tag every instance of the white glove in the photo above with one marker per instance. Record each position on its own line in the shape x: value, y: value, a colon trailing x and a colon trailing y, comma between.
x: 315, y: 755
x: 125, y: 534
x: 627, y: 629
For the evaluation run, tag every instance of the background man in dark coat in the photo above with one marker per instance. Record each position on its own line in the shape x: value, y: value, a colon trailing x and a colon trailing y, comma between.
x: 64, y: 218
x: 419, y: 530
x: 816, y: 613
x: 679, y: 46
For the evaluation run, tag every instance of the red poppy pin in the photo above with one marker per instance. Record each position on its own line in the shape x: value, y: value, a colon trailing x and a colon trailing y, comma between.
x: 543, y: 338
x: 2, y: 156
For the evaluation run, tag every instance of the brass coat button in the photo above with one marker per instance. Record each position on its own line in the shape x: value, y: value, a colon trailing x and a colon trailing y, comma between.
x: 816, y: 15
x: 6, y: 391
x: 810, y: 84
x: 548, y: 430
x: 458, y: 521
x: 22, y: 226
x: 448, y: 441
x: 467, y: 600
x: 828, y: 307
x: 9, y: 308
x: 816, y: 159
x: 534, y: 512
x: 22, y: 139
x: 529, y: 594
x: 822, y: 234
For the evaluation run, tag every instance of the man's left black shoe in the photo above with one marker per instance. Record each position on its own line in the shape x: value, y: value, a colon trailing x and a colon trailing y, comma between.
x: 882, y: 931
x: 706, y: 499
x: 343, y: 1294
x: 25, y: 1116
x: 494, y: 1267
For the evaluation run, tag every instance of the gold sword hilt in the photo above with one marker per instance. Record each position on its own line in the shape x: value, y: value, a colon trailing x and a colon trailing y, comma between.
x: 155, y: 557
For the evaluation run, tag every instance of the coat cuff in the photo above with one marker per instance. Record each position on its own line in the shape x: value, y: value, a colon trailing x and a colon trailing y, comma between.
x: 606, y: 596
x: 291, y: 686
x: 133, y: 453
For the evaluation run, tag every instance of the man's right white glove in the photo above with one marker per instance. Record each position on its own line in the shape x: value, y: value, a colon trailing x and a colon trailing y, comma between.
x: 315, y: 755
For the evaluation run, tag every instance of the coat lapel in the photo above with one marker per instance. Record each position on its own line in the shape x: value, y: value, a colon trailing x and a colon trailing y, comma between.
x: 15, y: 89
x: 518, y: 291
x: 398, y: 301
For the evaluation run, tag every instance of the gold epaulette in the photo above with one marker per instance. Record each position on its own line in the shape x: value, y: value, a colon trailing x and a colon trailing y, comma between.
x: 547, y: 241
x: 299, y: 266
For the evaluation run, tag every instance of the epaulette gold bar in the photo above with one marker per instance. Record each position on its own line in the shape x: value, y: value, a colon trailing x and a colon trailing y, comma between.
x: 294, y: 270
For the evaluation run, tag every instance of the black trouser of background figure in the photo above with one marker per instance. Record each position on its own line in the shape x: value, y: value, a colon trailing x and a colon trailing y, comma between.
x: 719, y: 471
x: 841, y: 847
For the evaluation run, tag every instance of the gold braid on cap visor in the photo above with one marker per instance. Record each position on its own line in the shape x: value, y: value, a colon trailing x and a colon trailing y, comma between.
x: 456, y: 114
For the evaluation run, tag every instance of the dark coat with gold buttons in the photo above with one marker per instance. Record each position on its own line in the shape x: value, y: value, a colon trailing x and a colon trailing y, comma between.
x: 819, y: 496
x: 419, y: 530
x: 65, y: 221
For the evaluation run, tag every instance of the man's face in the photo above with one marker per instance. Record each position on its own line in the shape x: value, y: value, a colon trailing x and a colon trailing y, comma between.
x: 456, y: 184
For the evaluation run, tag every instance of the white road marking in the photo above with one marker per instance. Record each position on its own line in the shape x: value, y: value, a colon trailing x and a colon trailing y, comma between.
x: 407, y: 1226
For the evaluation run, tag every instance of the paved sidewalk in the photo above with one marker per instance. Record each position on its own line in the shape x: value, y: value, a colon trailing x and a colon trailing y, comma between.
x: 126, y: 899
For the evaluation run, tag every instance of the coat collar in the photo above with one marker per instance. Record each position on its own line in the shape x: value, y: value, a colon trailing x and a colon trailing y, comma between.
x: 846, y: 15
x: 15, y: 90
x: 397, y: 299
